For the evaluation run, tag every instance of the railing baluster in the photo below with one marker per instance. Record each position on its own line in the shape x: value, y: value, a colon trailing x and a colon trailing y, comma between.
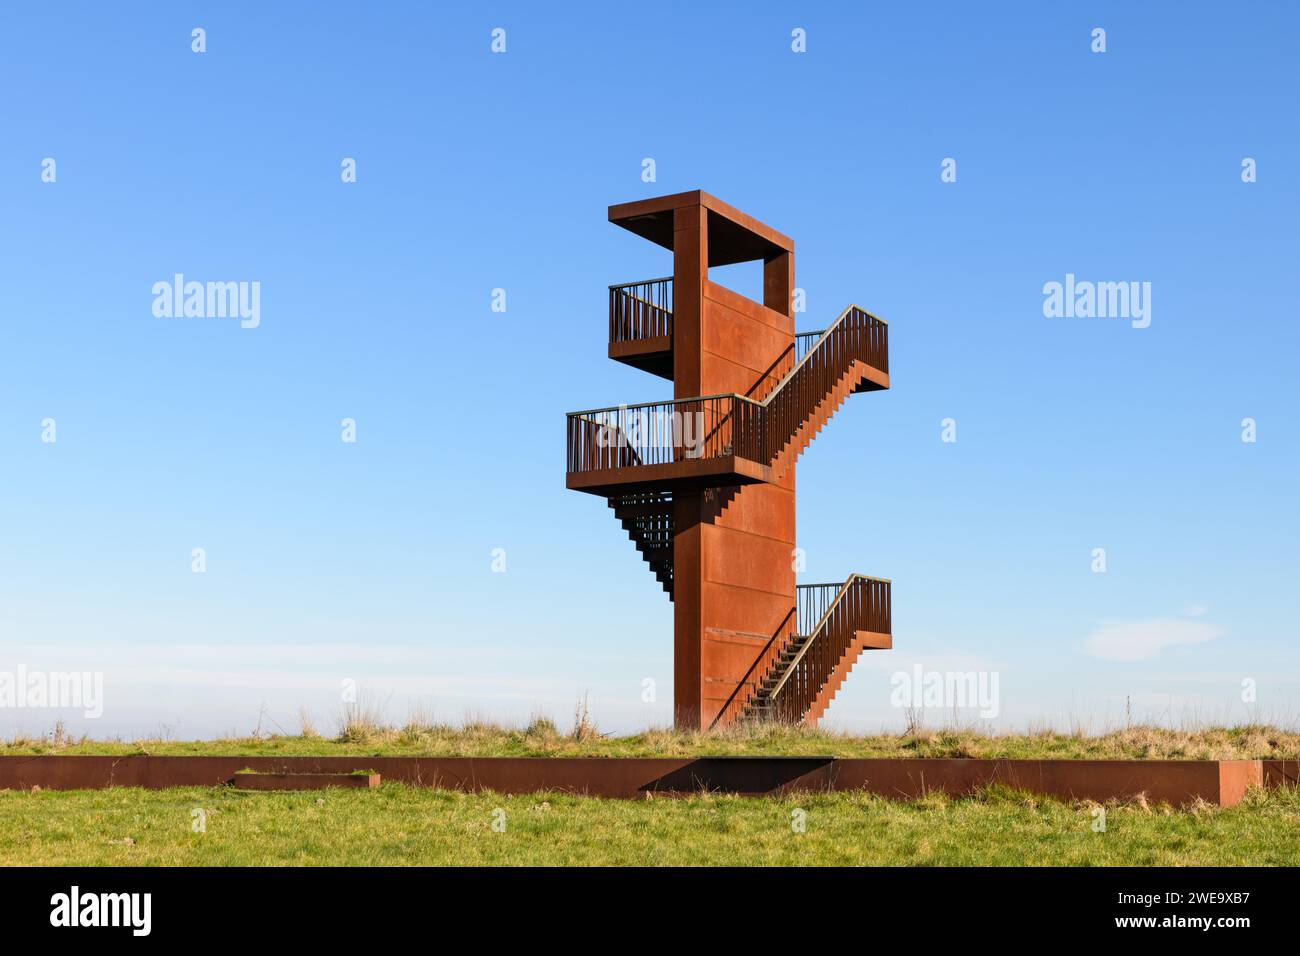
x: 641, y: 310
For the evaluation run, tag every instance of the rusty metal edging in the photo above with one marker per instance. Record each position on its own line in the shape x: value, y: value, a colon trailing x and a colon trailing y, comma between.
x: 1220, y: 782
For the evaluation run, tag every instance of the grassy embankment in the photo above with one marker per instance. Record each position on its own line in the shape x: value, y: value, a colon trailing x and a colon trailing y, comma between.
x: 403, y: 825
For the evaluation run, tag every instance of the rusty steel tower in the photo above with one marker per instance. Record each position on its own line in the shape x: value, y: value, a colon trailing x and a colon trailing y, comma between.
x: 705, y: 483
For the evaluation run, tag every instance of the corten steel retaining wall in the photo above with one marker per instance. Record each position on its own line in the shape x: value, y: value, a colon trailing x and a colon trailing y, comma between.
x: 596, y: 776
x: 1279, y: 773
x: 1221, y: 782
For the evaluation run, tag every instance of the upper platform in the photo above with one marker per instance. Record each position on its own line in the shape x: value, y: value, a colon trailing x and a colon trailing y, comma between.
x: 734, y: 236
x: 749, y: 393
x: 701, y: 231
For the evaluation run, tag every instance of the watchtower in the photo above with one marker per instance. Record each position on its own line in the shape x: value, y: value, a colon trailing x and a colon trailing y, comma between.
x: 705, y: 483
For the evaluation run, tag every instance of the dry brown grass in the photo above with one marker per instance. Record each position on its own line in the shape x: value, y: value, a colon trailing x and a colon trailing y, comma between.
x: 362, y: 731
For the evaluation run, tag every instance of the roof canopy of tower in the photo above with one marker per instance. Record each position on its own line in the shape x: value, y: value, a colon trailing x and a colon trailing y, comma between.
x: 733, y: 235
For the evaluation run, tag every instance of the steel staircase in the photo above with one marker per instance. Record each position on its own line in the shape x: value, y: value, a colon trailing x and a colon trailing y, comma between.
x: 648, y: 520
x: 852, y: 355
x: 808, y: 670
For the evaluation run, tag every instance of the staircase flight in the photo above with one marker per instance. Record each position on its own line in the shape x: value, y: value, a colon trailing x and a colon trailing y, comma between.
x: 805, y: 676
x: 648, y: 520
x: 852, y: 355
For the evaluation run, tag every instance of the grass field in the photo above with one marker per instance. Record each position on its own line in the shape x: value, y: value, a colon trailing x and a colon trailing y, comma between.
x: 359, y: 735
x: 400, y: 825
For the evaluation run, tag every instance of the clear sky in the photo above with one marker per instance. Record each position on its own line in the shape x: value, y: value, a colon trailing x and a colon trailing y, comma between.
x: 372, y: 561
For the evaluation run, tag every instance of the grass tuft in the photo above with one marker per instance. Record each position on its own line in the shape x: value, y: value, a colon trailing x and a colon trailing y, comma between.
x: 360, y: 724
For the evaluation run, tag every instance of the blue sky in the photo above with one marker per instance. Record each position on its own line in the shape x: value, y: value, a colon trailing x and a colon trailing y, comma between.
x: 371, y: 561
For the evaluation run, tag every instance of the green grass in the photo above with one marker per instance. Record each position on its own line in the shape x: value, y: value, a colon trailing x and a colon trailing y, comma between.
x: 362, y: 736
x: 403, y: 825
x: 400, y: 825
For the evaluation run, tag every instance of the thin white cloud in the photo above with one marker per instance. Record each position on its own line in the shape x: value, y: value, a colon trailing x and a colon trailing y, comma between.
x: 1143, y: 640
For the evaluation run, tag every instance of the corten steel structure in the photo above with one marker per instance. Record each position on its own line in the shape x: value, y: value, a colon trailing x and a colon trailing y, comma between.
x: 705, y: 484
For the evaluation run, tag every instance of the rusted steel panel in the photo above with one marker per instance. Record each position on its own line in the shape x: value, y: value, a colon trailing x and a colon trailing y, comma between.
x: 1281, y: 773
x: 739, y: 237
x: 595, y: 776
x: 1174, y: 781
x: 1236, y: 777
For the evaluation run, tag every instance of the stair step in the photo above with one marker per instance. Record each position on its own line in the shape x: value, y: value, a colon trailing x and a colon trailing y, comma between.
x: 647, y: 519
x: 664, y: 510
x: 823, y: 411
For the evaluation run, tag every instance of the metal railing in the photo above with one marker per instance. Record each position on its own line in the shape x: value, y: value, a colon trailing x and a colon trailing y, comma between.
x: 804, y: 342
x: 657, y: 433
x: 811, y: 603
x: 716, y: 426
x: 856, y: 335
x: 861, y: 604
x: 641, y: 310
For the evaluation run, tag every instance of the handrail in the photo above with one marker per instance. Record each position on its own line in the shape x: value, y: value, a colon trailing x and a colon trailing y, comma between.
x: 807, y: 355
x: 840, y: 584
x: 767, y: 425
x: 666, y: 401
x: 660, y: 433
x: 628, y: 285
x: 812, y: 636
x: 805, y: 342
x: 810, y: 601
x: 744, y: 398
x: 639, y: 311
